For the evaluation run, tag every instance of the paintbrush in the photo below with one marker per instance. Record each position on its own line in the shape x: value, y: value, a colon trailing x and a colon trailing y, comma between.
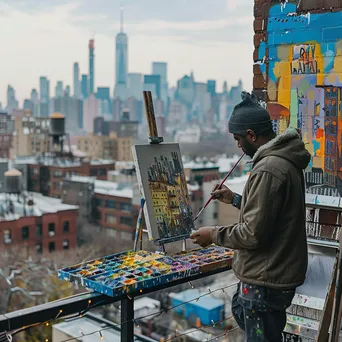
x: 220, y: 186
x: 138, y: 227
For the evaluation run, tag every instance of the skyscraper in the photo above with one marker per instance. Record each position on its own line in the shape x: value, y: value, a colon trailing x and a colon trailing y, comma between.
x: 44, y: 96
x: 12, y: 103
x: 135, y: 85
x: 84, y: 86
x: 67, y: 90
x: 121, y: 62
x: 35, y: 102
x: 103, y: 94
x: 160, y: 68
x: 77, y: 83
x: 59, y: 89
x: 154, y: 81
x: 91, y: 65
x: 211, y: 87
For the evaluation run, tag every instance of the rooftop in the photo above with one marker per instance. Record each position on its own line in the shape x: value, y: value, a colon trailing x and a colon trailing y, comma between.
x: 106, y: 187
x: 89, y: 324
x: 225, y: 164
x: 60, y: 162
x: 208, y: 302
x: 199, y: 165
x: 12, y: 208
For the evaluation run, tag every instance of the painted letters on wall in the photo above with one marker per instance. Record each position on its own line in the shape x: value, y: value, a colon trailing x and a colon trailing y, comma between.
x: 303, y: 75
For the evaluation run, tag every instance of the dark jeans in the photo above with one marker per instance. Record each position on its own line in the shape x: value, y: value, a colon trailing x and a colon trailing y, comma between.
x: 261, y: 312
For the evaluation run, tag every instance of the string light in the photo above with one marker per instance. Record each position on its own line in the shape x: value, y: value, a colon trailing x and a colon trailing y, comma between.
x: 154, y: 315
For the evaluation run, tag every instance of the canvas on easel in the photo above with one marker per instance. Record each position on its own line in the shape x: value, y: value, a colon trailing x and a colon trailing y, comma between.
x: 162, y: 184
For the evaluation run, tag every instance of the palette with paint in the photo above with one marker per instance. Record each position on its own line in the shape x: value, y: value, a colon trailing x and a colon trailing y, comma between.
x: 208, y: 259
x: 127, y: 272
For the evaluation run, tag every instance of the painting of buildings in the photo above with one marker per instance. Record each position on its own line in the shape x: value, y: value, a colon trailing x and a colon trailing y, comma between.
x: 162, y: 183
x: 298, y: 72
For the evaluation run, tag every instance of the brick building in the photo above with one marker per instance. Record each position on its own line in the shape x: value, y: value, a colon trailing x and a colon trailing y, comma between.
x: 297, y: 72
x: 45, y: 175
x: 108, y: 204
x: 6, y: 134
x: 201, y: 172
x: 31, y: 134
x: 109, y: 147
x: 114, y: 210
x: 41, y: 224
x: 124, y: 128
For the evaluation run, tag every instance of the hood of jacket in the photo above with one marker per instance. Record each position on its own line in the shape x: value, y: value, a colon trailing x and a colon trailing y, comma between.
x: 289, y: 146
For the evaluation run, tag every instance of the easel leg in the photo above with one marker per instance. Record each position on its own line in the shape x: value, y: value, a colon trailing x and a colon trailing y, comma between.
x: 127, y: 317
x: 184, y: 246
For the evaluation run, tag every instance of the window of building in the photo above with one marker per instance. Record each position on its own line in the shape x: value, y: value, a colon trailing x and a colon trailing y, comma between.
x: 66, y: 228
x: 52, y: 246
x: 126, y: 220
x: 98, y: 202
x: 111, y: 219
x: 25, y: 232
x: 39, y: 248
x: 7, y: 236
x: 39, y: 230
x: 66, y: 244
x: 51, y: 229
x: 215, y: 216
x: 126, y: 235
x: 98, y: 215
x: 126, y: 206
x: 110, y: 204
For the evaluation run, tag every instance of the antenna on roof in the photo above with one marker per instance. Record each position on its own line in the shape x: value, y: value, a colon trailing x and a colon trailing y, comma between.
x: 121, y: 18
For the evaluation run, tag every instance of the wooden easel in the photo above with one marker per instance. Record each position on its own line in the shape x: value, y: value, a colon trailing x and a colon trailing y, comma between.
x: 332, y: 312
x: 154, y: 138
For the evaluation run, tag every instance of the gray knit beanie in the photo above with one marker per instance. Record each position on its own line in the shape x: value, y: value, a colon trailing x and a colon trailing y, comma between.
x: 249, y: 114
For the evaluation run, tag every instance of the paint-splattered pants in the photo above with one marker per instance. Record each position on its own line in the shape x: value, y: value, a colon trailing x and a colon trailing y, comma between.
x: 261, y: 312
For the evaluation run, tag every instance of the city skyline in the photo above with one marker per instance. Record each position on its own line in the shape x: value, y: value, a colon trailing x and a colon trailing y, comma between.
x: 187, y: 42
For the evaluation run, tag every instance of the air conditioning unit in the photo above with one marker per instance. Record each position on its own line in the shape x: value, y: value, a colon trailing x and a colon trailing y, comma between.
x: 51, y: 233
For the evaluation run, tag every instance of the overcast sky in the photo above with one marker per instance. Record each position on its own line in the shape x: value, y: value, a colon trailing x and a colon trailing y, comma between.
x: 212, y: 38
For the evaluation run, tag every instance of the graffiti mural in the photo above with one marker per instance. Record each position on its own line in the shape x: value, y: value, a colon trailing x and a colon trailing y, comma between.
x: 304, y: 86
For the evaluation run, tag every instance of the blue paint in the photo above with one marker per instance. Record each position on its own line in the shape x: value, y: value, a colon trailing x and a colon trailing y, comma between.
x: 332, y: 33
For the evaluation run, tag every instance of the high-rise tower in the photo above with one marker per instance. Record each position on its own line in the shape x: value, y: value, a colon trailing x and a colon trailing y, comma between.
x: 44, y: 85
x: 77, y: 83
x: 121, y: 62
x: 91, y: 65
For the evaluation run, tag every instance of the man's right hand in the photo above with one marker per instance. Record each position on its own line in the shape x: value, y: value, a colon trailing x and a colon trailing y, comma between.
x: 224, y: 195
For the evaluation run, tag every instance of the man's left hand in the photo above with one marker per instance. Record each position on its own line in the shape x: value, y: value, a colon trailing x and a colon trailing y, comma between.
x: 202, y: 236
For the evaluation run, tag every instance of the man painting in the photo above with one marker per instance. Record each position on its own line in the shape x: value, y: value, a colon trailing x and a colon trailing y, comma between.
x: 269, y: 240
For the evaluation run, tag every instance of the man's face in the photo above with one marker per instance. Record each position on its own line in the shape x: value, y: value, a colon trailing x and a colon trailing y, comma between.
x: 247, y: 143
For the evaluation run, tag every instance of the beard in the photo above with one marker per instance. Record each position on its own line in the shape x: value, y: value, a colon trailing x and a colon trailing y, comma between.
x: 248, y: 148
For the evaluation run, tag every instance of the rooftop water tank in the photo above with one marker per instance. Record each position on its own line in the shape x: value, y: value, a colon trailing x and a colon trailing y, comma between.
x: 13, y: 181
x: 57, y: 124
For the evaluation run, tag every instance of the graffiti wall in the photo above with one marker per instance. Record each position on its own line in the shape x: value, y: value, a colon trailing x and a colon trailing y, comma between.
x: 298, y: 70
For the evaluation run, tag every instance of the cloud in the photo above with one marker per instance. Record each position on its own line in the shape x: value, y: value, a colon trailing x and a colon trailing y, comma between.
x: 46, y: 40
